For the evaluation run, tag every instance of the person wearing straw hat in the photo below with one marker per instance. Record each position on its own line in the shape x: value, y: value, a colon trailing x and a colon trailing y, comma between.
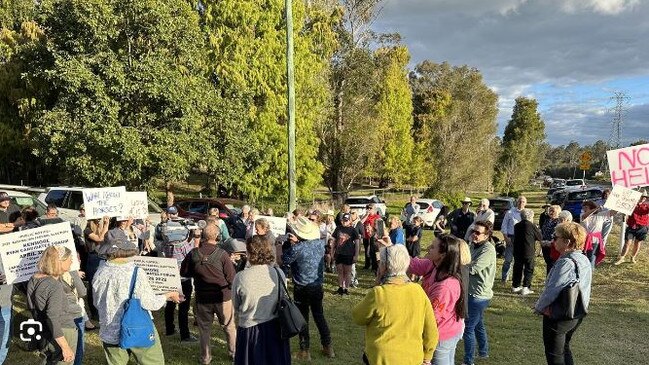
x: 636, y: 229
x: 305, y: 256
x: 461, y: 218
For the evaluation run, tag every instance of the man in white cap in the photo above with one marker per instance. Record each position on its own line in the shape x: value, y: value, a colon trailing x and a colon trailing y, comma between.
x: 461, y: 219
x: 305, y: 257
x: 483, y: 213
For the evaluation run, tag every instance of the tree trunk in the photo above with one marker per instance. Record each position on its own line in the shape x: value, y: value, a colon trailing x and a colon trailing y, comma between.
x: 170, y: 194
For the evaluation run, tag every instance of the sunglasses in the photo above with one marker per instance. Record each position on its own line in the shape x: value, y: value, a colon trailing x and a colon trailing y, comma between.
x: 555, y: 237
x: 475, y: 231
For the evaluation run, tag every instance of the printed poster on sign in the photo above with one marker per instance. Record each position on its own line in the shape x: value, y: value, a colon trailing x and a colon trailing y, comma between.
x: 277, y: 225
x: 20, y: 251
x: 104, y: 202
x: 163, y: 273
x: 629, y: 166
x: 623, y: 200
x: 137, y: 205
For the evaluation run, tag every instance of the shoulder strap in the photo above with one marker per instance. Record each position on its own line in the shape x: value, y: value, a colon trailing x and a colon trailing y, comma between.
x: 576, y: 268
x: 281, y: 286
x: 133, y: 278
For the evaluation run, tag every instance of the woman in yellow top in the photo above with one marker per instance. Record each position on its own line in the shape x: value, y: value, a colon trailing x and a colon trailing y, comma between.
x: 400, y: 326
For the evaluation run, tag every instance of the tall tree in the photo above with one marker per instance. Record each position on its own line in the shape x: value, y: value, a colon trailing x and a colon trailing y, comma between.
x: 454, y: 126
x: 248, y: 58
x: 521, y: 147
x: 125, y: 94
x: 394, y: 116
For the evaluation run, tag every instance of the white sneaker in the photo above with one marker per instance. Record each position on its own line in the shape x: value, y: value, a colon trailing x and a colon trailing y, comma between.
x: 517, y: 290
x: 527, y: 291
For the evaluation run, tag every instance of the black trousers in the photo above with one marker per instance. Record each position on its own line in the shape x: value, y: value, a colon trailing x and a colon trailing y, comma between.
x: 548, y: 259
x: 183, y: 312
x: 366, y: 247
x: 556, y: 339
x: 310, y: 298
x: 523, y: 269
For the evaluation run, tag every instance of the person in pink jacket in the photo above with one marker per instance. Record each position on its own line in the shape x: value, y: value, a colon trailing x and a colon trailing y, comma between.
x: 442, y: 282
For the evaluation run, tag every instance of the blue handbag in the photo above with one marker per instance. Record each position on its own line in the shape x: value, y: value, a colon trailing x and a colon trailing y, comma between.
x: 137, y: 328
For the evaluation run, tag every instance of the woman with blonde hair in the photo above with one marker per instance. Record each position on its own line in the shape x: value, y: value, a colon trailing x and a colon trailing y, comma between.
x: 48, y: 302
x: 572, y: 266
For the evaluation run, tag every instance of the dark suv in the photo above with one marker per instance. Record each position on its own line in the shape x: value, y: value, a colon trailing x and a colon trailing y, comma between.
x: 500, y: 206
x: 196, y: 208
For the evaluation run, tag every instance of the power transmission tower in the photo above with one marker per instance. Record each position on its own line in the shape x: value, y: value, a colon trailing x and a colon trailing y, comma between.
x: 619, y: 111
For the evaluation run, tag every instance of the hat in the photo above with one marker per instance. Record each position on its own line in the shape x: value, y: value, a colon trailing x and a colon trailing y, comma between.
x: 4, y: 196
x: 82, y: 207
x: 346, y: 217
x: 466, y: 200
x: 119, y: 243
x: 305, y: 229
x: 172, y: 210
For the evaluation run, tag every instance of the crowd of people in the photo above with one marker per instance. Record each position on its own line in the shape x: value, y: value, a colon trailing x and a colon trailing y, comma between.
x: 239, y: 280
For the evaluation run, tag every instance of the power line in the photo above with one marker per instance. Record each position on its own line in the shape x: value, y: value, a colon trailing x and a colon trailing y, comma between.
x: 619, y: 111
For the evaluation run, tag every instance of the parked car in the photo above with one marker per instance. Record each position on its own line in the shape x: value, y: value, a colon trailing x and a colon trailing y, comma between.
x: 500, y: 206
x: 68, y: 200
x: 575, y: 182
x: 550, y: 195
x: 358, y: 204
x: 428, y: 211
x: 558, y: 183
x: 574, y: 198
x: 559, y: 196
x: 196, y: 208
x: 20, y: 200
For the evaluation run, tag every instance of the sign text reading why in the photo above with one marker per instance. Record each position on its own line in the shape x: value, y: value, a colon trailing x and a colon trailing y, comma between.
x: 630, y: 166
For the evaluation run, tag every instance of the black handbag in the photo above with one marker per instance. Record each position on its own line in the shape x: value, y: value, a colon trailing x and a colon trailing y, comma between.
x: 570, y: 302
x: 291, y: 321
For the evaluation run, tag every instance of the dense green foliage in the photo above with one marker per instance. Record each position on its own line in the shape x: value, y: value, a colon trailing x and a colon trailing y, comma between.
x: 520, y: 155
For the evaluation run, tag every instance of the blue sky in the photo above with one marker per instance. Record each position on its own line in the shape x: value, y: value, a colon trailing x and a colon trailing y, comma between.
x: 571, y: 55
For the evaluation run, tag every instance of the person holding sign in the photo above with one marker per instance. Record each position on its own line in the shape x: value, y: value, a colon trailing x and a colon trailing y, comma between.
x: 46, y: 298
x: 110, y: 292
x: 636, y: 230
x: 95, y: 233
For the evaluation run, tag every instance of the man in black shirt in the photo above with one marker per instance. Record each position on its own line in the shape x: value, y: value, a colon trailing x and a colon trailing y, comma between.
x: 461, y: 219
x: 345, y: 241
x: 526, y: 234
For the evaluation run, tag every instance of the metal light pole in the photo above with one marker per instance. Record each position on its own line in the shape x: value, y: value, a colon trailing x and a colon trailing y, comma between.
x: 290, y: 79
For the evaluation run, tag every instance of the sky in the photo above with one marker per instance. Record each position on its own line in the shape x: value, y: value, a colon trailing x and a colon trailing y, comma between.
x: 571, y: 55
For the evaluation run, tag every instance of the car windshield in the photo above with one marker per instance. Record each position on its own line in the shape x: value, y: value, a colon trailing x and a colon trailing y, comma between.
x: 28, y: 201
x: 357, y: 201
x: 574, y: 183
x: 585, y: 195
x: 423, y: 205
x: 499, y: 204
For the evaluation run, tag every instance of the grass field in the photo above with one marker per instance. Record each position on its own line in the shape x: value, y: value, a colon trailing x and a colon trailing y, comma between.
x: 615, y: 331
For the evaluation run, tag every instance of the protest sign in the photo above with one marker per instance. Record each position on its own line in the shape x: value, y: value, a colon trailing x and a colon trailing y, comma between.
x: 104, y: 202
x: 277, y: 225
x: 623, y: 200
x: 629, y: 166
x: 20, y: 251
x: 163, y: 273
x: 137, y: 205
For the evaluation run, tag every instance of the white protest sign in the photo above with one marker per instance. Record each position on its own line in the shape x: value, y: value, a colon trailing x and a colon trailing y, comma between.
x: 623, y: 200
x: 163, y: 273
x: 629, y: 166
x: 277, y: 225
x: 20, y: 251
x: 104, y: 202
x: 137, y: 205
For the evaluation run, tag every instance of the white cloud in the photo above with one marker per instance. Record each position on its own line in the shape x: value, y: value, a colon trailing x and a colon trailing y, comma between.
x: 609, y: 7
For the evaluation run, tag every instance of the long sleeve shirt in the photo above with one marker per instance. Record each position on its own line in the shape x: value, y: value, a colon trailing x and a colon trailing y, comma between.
x: 482, y: 270
x: 393, y: 336
x: 562, y: 274
x: 443, y: 296
x: 306, y: 259
x: 110, y: 289
x: 512, y: 217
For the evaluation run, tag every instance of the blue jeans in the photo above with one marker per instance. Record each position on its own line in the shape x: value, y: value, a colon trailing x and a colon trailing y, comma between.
x: 81, y: 330
x: 5, y: 332
x: 509, y: 257
x: 445, y: 351
x: 475, y: 329
x: 592, y: 254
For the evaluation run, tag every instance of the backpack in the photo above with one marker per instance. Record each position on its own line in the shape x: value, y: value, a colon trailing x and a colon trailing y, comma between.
x: 136, y: 326
x: 174, y: 239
